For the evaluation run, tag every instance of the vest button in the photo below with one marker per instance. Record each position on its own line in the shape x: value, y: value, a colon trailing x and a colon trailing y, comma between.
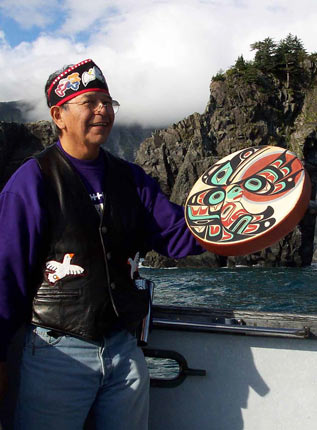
x: 104, y: 229
x: 113, y: 285
x: 108, y: 256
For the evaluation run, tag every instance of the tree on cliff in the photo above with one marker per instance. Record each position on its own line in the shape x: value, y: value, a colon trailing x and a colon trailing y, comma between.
x: 284, y: 59
x: 265, y: 54
x: 290, y: 54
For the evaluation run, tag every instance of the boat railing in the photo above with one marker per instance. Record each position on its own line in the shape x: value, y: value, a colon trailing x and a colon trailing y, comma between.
x: 232, y: 328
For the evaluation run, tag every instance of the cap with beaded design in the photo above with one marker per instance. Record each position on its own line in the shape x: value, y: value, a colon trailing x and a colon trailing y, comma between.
x: 81, y: 78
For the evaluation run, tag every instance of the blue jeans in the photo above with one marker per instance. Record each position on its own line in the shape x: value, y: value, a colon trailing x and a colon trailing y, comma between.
x: 65, y: 378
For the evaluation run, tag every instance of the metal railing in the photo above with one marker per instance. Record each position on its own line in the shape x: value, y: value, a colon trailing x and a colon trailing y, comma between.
x: 238, y: 328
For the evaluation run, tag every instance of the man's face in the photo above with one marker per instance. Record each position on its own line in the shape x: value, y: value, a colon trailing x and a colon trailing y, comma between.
x: 87, y: 121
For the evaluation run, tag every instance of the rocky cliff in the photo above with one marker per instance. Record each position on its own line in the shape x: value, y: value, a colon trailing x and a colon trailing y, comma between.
x: 19, y: 141
x: 15, y: 111
x: 124, y: 141
x: 241, y: 112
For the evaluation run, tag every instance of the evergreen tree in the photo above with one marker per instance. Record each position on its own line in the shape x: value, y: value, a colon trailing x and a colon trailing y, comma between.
x: 240, y: 64
x: 265, y: 54
x: 290, y: 54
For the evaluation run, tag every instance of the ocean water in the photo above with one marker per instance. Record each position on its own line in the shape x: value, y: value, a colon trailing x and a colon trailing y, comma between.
x: 280, y: 289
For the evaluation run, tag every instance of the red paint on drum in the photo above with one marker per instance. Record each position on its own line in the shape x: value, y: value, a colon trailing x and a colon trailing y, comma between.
x: 248, y: 200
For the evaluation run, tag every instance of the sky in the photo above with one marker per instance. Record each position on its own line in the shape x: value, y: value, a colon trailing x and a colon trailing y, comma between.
x: 158, y: 56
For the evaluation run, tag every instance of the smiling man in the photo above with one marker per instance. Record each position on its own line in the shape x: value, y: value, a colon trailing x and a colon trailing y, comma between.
x: 79, y: 217
x: 82, y: 109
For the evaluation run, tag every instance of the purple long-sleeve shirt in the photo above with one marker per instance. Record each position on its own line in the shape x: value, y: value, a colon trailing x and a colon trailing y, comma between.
x: 23, y: 220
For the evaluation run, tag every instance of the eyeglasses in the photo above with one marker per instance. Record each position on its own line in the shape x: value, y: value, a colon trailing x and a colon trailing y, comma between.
x: 96, y: 106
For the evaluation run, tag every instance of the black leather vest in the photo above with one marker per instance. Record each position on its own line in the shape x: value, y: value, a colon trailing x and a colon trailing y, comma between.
x: 84, y: 277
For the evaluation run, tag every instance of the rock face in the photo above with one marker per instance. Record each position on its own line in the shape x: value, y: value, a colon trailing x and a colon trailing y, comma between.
x: 15, y: 111
x: 177, y: 156
x: 124, y: 141
x: 19, y: 141
x: 240, y: 115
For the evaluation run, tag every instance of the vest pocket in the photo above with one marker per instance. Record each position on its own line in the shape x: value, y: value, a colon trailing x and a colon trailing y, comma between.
x: 44, y: 295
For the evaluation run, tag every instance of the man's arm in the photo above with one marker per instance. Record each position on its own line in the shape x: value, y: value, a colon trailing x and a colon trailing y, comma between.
x: 21, y: 227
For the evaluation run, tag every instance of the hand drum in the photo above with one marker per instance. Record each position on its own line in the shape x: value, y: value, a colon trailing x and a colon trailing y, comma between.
x: 248, y: 200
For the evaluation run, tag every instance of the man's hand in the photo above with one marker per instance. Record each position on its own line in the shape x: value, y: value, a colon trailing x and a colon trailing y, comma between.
x: 3, y: 380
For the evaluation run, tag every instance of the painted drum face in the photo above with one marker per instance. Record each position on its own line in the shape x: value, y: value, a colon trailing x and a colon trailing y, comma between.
x: 248, y: 200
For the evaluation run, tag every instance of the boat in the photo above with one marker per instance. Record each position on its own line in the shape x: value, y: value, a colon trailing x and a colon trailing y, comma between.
x: 222, y: 369
x: 237, y: 370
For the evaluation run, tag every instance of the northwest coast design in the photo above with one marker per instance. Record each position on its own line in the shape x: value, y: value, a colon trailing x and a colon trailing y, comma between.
x: 56, y: 270
x: 243, y: 195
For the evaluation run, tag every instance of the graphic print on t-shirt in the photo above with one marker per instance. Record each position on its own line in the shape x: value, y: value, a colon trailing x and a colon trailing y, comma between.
x: 97, y: 200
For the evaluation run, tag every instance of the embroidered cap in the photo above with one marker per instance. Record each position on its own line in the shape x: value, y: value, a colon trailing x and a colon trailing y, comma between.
x: 80, y: 78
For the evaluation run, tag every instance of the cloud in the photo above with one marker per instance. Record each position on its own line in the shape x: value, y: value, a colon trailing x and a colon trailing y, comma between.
x: 158, y: 56
x: 2, y: 38
x: 79, y: 17
x: 30, y: 13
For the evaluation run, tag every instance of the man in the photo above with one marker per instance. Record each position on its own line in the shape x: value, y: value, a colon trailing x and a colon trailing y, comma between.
x: 72, y: 221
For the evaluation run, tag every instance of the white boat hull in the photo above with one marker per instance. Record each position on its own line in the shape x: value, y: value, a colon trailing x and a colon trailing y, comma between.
x: 251, y: 382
